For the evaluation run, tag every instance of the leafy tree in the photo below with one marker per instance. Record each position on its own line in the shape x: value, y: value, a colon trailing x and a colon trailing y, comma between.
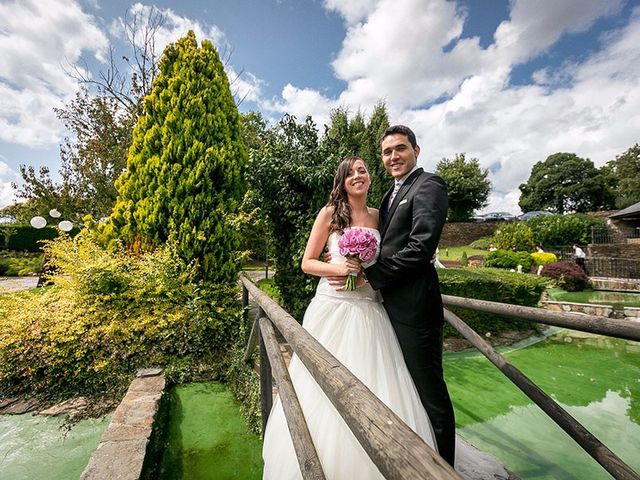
x: 345, y: 137
x: 100, y: 118
x: 563, y: 230
x: 625, y: 170
x: 514, y: 235
x: 468, y: 185
x: 183, y: 180
x: 292, y: 177
x: 562, y: 183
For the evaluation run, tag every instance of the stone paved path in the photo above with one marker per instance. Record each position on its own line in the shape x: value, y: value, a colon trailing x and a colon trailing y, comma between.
x: 14, y: 284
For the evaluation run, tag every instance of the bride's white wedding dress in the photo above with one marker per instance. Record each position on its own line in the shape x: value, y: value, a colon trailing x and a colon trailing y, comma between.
x: 355, y: 328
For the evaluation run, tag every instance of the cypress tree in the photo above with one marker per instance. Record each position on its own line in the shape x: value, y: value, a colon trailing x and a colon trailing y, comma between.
x: 183, y: 181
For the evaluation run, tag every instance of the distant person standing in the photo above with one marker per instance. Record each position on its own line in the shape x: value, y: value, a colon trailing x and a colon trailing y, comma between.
x: 579, y: 255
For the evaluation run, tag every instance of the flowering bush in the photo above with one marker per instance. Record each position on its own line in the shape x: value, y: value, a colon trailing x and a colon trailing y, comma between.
x: 358, y: 243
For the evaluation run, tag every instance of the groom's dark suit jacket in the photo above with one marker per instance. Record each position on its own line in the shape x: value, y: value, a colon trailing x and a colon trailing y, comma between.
x: 410, y: 232
x: 408, y: 282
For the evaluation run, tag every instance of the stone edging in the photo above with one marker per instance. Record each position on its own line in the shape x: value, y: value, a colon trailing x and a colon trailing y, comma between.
x: 123, y: 446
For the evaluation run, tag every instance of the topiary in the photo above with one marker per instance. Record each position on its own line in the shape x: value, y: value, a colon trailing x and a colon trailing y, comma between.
x: 568, y: 275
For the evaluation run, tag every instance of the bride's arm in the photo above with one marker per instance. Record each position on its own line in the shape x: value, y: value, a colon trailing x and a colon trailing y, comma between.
x: 317, y: 240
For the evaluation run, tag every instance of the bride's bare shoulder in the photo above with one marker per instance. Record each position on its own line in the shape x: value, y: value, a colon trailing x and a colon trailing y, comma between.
x: 374, y: 216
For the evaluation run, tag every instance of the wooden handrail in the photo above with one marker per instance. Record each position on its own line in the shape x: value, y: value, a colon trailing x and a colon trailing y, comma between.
x: 619, y: 328
x: 397, y: 451
x: 310, y: 465
x: 594, y: 447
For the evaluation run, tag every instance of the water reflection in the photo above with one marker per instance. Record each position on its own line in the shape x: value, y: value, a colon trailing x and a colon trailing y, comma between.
x: 596, y: 379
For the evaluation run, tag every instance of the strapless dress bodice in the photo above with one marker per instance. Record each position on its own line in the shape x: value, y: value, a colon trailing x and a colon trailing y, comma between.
x: 363, y: 293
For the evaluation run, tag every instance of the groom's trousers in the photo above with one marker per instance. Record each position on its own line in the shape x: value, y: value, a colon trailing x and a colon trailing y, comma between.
x: 422, y: 351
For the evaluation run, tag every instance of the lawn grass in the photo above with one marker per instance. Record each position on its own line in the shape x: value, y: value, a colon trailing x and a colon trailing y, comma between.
x: 454, y: 253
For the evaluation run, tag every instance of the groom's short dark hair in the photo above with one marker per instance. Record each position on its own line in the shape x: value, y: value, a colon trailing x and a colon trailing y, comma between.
x: 402, y: 130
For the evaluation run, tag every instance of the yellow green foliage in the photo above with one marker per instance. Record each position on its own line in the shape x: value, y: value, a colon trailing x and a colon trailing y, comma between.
x: 106, y: 315
x: 544, y: 258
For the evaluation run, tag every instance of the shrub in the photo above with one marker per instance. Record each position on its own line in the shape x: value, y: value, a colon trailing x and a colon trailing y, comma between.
x: 568, y: 275
x: 563, y: 229
x: 509, y: 260
x: 26, y: 238
x: 493, y: 285
x: 543, y: 258
x: 12, y: 266
x: 107, y: 315
x: 516, y: 235
x: 483, y: 243
x: 464, y: 260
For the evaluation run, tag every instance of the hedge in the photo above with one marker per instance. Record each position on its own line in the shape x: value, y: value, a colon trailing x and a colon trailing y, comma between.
x: 493, y: 285
x: 26, y: 238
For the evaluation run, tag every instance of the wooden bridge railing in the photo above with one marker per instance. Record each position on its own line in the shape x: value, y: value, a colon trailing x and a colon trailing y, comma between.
x: 397, y: 451
x: 587, y: 323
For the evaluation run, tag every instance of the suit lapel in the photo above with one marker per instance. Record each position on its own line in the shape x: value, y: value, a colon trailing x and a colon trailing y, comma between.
x: 404, y: 189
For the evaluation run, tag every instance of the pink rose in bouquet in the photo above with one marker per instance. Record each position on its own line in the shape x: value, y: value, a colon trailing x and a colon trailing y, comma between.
x: 361, y: 244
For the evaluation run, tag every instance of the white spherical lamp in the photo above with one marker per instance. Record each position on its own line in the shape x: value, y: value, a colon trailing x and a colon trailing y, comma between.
x: 38, y: 222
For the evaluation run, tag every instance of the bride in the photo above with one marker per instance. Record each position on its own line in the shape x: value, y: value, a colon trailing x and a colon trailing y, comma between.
x: 355, y: 328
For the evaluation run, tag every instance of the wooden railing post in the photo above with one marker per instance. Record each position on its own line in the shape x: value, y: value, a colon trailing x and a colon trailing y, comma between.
x: 266, y: 382
x: 396, y: 450
x: 583, y: 437
x: 310, y: 465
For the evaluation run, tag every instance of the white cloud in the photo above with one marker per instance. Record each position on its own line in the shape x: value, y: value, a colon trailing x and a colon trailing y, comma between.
x: 352, y: 11
x: 411, y: 53
x: 36, y: 40
x: 6, y: 190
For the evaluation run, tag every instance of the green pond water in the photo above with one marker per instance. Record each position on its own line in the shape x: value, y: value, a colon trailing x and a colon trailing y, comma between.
x: 596, y: 379
x: 35, y: 447
x: 618, y: 300
x: 207, y: 437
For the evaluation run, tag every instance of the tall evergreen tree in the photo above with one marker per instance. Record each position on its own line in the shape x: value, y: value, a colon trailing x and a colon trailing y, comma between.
x: 380, y: 179
x: 183, y: 180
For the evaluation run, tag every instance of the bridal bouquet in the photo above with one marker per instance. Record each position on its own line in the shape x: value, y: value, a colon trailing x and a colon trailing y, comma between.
x: 358, y: 243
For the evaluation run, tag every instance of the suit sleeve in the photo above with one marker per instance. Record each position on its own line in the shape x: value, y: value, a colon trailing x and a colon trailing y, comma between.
x: 427, y: 220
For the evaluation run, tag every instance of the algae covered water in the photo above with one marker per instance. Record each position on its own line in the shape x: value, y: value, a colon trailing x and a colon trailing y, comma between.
x: 37, y: 447
x: 207, y: 437
x: 618, y: 300
x: 596, y: 379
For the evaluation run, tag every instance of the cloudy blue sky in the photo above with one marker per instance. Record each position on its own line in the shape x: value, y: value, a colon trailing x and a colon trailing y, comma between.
x: 507, y: 82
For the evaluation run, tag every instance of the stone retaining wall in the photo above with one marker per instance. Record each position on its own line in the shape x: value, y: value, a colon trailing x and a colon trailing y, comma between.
x: 588, y: 308
x: 618, y: 250
x: 463, y: 233
x: 617, y: 284
x: 123, y: 446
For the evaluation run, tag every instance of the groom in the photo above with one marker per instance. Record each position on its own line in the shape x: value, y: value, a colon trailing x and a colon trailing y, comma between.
x: 412, y: 215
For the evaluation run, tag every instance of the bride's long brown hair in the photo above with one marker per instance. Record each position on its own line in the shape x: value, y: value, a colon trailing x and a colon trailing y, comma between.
x: 338, y: 199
